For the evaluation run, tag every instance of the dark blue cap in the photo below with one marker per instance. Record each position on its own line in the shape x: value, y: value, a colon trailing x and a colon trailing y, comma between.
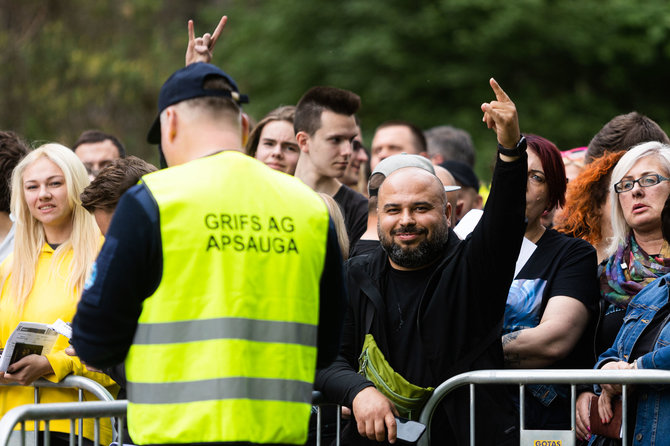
x: 462, y: 173
x: 187, y: 83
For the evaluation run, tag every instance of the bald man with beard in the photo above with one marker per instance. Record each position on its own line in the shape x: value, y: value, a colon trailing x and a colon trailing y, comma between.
x: 431, y: 302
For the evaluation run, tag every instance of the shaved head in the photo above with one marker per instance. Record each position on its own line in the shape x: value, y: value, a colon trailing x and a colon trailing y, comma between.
x: 415, y: 179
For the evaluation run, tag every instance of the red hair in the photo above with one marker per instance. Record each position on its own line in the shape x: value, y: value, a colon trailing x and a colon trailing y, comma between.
x: 554, y: 169
x: 586, y: 195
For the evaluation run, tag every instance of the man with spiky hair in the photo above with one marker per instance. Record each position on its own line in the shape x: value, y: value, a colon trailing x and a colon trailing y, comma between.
x: 325, y: 127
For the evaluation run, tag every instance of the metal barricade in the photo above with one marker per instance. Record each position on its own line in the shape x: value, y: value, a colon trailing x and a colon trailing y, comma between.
x: 524, y: 377
x: 72, y: 381
x: 106, y: 408
x: 117, y: 409
x: 60, y: 411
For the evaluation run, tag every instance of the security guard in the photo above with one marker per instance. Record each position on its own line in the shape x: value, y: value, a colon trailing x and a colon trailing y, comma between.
x: 220, y: 282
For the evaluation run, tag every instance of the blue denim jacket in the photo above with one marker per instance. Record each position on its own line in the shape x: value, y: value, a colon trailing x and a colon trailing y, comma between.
x: 652, y: 425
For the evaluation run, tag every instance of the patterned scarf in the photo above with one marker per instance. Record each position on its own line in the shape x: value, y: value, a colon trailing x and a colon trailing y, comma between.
x: 630, y: 269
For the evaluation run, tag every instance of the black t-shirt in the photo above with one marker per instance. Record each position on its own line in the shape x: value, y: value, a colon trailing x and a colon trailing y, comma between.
x: 363, y: 247
x: 647, y: 340
x: 402, y: 295
x: 354, y: 208
x: 608, y: 328
x: 559, y: 266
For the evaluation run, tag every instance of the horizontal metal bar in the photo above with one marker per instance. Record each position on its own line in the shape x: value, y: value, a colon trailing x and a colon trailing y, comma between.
x: 75, y: 382
x: 560, y: 376
x: 57, y: 411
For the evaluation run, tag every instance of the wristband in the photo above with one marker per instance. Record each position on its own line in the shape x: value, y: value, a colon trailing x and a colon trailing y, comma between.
x: 518, y: 150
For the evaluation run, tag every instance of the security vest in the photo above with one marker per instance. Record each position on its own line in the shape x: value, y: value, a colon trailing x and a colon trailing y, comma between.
x: 225, y: 349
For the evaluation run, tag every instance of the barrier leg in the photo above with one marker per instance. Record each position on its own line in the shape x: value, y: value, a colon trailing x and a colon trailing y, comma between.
x: 80, y: 439
x: 338, y: 424
x: 72, y: 430
x: 472, y: 415
x: 573, y: 405
x: 122, y: 427
x: 624, y: 413
x: 96, y: 433
x: 318, y: 426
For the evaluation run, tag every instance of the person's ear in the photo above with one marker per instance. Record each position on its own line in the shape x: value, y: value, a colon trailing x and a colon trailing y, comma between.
x: 447, y: 212
x: 303, y: 141
x: 169, y: 128
x: 479, y: 202
x: 458, y: 212
x: 437, y: 159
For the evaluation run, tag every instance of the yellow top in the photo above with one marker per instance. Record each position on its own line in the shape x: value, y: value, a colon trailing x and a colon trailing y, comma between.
x: 48, y: 301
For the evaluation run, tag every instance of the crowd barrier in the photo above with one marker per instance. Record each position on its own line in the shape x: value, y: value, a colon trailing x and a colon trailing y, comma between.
x: 106, y: 408
x: 525, y: 377
x: 117, y: 409
x: 55, y: 411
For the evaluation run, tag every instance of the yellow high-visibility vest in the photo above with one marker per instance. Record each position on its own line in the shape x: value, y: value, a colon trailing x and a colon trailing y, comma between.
x: 225, y: 349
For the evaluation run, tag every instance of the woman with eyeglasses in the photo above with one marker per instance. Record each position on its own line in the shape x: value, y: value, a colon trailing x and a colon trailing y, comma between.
x: 553, y: 296
x: 638, y: 253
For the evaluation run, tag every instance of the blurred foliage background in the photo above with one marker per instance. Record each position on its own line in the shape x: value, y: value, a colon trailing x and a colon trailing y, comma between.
x: 569, y: 65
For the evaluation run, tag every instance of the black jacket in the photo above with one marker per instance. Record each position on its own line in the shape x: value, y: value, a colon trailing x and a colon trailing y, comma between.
x: 460, y: 309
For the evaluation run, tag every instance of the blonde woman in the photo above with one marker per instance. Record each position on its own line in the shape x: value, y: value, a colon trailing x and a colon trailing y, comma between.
x: 56, y: 243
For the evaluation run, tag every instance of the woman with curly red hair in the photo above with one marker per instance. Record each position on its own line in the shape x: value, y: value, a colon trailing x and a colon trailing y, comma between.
x: 587, y: 211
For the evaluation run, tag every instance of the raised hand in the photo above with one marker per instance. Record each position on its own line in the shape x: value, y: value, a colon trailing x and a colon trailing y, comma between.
x: 501, y: 116
x: 201, y: 49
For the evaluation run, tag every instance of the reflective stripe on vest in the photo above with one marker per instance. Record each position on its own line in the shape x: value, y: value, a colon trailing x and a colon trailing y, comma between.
x: 225, y: 348
x: 220, y: 389
x: 226, y: 328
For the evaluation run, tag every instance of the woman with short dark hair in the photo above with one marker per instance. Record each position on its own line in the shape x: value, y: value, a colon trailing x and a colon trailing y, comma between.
x: 553, y: 293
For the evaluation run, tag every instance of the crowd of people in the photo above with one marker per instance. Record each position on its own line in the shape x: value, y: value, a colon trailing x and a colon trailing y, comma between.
x: 264, y: 261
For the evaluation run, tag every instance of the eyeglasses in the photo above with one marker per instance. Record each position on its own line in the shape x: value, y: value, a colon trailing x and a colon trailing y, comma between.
x: 644, y: 181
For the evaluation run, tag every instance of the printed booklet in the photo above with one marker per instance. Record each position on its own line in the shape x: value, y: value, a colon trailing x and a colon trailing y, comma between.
x: 32, y: 338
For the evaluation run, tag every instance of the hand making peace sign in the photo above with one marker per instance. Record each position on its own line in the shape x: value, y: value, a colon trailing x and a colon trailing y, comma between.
x: 201, y: 49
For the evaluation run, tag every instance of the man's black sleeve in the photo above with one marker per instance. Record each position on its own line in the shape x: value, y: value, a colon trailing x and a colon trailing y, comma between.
x: 333, y: 302
x: 127, y: 270
x: 495, y: 244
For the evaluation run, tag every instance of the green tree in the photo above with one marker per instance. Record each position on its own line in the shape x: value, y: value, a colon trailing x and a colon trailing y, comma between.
x: 570, y: 66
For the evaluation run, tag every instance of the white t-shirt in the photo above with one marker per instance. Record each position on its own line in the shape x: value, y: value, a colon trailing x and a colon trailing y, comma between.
x: 7, y: 245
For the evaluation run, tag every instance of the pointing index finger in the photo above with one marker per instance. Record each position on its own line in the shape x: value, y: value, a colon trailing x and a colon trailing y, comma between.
x: 217, y: 31
x: 500, y: 94
x: 191, y: 32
